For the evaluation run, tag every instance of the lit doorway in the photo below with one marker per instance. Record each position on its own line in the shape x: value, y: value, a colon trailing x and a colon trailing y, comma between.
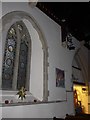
x: 80, y: 98
x: 80, y: 80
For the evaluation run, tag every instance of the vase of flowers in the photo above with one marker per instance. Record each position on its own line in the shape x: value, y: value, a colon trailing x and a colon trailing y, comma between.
x: 22, y: 93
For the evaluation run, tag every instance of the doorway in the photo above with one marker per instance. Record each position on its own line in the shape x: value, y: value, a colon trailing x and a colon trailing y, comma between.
x: 80, y: 80
x: 80, y: 98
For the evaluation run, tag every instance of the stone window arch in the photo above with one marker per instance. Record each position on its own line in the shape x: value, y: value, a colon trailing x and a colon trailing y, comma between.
x: 15, y: 20
x: 16, y: 57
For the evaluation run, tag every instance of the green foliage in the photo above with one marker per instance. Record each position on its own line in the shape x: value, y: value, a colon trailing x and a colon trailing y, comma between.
x: 22, y: 93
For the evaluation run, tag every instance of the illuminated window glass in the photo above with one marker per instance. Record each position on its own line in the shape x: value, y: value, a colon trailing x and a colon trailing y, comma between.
x: 16, y: 57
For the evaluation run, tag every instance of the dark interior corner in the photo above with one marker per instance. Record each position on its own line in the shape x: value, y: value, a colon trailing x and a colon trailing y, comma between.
x: 74, y: 16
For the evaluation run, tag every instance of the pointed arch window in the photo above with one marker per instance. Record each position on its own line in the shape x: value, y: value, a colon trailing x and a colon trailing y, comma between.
x: 25, y: 56
x: 16, y: 59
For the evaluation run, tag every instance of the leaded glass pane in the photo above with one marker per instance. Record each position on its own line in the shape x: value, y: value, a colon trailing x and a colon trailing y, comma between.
x: 9, y: 56
x: 12, y: 32
x: 22, y: 68
x: 23, y: 55
x: 15, y: 62
x: 20, y: 27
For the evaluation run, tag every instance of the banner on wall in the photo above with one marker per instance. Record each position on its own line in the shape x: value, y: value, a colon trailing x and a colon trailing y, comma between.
x: 60, y: 78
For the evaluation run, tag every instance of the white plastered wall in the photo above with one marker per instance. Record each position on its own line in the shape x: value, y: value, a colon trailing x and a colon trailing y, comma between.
x: 58, y: 57
x: 36, y: 74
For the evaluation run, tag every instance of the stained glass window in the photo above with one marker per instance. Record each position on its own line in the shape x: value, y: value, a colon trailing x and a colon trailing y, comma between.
x: 9, y: 58
x: 17, y: 41
x: 22, y: 65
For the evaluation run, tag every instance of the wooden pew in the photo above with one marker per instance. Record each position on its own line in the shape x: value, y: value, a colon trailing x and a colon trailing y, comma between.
x: 71, y: 117
x: 54, y: 118
x: 74, y: 117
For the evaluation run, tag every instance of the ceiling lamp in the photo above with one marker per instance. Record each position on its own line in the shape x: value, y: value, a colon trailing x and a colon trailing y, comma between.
x: 67, y: 40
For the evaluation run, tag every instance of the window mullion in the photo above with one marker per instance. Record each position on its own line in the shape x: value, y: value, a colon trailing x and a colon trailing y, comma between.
x: 14, y: 85
x: 28, y: 67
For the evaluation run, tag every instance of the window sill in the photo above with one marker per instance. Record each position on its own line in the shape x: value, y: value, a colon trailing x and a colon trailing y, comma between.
x: 29, y: 103
x: 13, y: 99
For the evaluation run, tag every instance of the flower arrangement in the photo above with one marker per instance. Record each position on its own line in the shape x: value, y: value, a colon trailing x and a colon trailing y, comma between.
x: 22, y: 93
